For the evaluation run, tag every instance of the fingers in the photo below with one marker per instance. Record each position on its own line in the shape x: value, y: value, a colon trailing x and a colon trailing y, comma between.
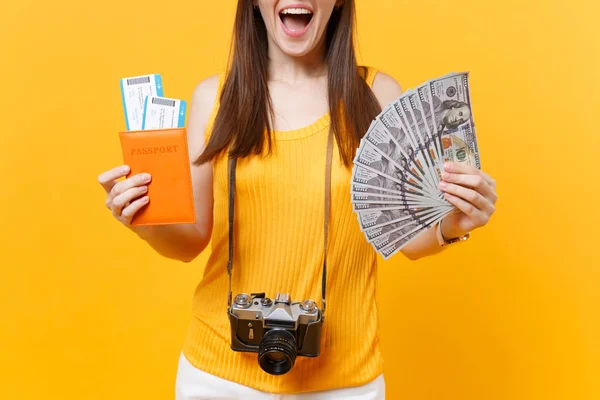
x: 108, y: 179
x: 470, y: 190
x: 460, y: 168
x: 131, y: 182
x: 132, y: 208
x: 491, y: 181
x: 121, y: 194
x: 126, y: 198
x: 471, y: 196
x: 477, y: 217
x: 476, y: 182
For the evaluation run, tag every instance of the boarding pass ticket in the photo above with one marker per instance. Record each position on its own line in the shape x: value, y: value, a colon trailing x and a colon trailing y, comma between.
x: 162, y: 112
x: 134, y: 91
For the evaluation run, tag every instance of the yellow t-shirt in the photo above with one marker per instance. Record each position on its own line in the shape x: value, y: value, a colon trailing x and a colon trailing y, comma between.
x: 279, y: 248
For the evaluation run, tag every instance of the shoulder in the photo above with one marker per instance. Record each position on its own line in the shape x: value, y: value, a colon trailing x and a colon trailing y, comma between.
x: 202, y: 108
x: 385, y: 88
x: 205, y: 93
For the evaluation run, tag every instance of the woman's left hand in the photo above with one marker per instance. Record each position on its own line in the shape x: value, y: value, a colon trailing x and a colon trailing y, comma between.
x: 473, y: 192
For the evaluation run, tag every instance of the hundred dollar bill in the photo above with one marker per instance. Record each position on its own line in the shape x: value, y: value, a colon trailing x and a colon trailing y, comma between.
x: 362, y: 188
x: 357, y: 190
x: 394, y: 188
x: 406, y: 109
x: 370, y: 198
x: 451, y: 101
x: 370, y: 159
x: 368, y: 195
x: 356, y: 207
x: 398, y: 223
x: 399, y: 234
x: 398, y: 131
x: 405, y: 121
x: 366, y: 204
x: 425, y: 100
x: 391, y: 250
x: 397, y: 240
x: 365, y: 190
x: 398, y: 244
x: 379, y: 137
x: 423, y: 129
x: 368, y: 177
x: 403, y: 205
x: 370, y: 219
x: 361, y: 197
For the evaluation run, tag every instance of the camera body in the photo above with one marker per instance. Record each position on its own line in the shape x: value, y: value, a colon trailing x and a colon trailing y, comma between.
x: 278, y: 330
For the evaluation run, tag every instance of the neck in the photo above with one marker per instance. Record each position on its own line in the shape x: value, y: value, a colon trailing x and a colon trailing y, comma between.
x: 290, y: 69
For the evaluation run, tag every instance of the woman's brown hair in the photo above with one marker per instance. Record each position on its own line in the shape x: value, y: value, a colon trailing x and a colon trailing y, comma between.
x: 245, y: 103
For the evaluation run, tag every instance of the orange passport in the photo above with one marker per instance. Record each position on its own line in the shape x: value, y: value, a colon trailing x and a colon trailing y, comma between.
x: 163, y: 153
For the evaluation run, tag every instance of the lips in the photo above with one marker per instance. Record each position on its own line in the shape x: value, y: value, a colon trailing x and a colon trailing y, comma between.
x: 295, y: 19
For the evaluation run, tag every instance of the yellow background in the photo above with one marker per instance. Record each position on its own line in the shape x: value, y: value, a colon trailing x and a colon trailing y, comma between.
x: 88, y: 311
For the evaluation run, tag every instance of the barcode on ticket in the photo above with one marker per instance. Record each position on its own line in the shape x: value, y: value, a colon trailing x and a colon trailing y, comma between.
x: 163, y: 113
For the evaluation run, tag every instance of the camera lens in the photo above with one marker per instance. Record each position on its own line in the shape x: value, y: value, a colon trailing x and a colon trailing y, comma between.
x: 277, y: 352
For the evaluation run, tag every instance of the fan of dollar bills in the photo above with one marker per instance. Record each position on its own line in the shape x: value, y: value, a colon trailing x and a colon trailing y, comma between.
x: 399, y: 163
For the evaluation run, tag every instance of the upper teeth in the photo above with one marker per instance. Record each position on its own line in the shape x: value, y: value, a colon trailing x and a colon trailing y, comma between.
x: 296, y: 11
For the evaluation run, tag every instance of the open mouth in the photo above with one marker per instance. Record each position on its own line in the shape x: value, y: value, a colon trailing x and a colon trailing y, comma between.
x: 295, y: 20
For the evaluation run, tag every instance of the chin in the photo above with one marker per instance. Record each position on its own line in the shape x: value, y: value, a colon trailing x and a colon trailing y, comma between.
x: 295, y: 49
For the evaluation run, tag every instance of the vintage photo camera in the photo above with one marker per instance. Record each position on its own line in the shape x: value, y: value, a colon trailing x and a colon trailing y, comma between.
x: 278, y: 330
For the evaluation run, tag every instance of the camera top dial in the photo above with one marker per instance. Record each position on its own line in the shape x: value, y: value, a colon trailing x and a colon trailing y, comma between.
x: 266, y: 302
x: 243, y: 300
x: 308, y: 305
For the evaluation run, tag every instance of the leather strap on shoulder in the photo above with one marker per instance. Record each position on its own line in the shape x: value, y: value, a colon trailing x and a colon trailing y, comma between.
x: 232, y: 169
x: 327, y: 213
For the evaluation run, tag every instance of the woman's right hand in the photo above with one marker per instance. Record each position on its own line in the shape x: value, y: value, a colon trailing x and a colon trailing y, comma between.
x: 124, y: 198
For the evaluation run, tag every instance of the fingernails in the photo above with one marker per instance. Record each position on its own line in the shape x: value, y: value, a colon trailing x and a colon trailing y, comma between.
x: 445, y: 175
x: 144, y: 189
x: 443, y: 185
x: 145, y: 199
x: 146, y: 177
x: 125, y: 170
x: 447, y: 167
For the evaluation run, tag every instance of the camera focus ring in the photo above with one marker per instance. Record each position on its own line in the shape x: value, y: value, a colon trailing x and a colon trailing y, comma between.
x: 277, y: 351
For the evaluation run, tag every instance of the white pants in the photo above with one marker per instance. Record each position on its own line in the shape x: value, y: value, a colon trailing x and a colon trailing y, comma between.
x: 194, y: 384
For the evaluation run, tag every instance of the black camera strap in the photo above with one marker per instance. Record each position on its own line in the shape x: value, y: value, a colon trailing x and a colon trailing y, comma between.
x: 232, y: 169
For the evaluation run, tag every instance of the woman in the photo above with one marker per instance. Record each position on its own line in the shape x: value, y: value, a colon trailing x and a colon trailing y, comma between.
x: 293, y: 66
